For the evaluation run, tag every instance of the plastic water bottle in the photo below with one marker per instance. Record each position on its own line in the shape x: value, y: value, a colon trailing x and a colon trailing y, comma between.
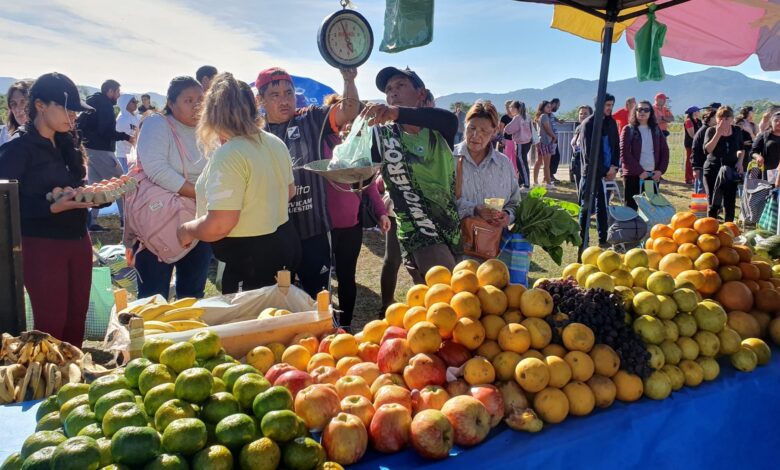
x: 699, y: 205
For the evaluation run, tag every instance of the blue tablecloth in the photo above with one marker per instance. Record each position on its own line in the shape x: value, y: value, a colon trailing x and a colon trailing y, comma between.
x: 727, y: 423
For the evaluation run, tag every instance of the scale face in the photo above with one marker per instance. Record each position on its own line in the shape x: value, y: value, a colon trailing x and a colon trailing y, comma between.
x: 345, y: 39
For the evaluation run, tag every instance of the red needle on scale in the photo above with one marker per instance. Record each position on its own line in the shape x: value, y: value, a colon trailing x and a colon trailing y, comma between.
x: 346, y: 37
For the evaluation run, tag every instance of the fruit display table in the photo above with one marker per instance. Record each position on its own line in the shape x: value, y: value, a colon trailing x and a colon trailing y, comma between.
x: 727, y: 423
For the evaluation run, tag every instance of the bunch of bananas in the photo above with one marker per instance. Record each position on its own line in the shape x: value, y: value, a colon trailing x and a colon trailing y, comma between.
x: 35, y: 365
x: 158, y: 318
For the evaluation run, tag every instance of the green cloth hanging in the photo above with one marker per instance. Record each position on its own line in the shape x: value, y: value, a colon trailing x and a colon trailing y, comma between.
x: 408, y: 24
x: 648, y: 42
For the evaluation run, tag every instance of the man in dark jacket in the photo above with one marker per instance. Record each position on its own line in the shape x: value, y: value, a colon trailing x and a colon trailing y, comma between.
x: 608, y: 162
x: 698, y: 155
x: 98, y: 131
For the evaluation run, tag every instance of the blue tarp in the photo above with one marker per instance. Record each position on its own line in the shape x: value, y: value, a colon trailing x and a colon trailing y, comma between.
x: 727, y: 423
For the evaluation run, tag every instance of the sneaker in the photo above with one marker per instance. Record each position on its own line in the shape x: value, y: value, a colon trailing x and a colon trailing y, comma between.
x: 550, y: 186
x: 604, y: 245
x: 98, y: 228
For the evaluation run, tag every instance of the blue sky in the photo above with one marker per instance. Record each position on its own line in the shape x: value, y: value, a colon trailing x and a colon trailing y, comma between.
x: 479, y: 45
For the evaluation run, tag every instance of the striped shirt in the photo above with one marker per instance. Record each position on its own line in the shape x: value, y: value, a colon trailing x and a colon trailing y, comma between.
x: 493, y: 178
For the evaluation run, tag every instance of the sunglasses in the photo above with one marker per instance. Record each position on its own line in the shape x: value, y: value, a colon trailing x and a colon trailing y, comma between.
x: 643, y: 110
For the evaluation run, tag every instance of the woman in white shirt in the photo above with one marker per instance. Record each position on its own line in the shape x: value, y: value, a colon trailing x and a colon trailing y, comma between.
x: 17, y: 109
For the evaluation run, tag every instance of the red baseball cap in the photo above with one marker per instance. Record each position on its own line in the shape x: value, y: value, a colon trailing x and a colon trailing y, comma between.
x: 271, y: 75
x: 661, y: 96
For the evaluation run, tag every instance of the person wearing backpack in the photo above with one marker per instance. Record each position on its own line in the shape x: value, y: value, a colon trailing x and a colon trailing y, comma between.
x: 644, y: 152
x: 169, y: 155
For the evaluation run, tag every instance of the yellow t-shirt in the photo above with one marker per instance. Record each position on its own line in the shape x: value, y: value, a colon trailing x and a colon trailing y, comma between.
x: 250, y: 174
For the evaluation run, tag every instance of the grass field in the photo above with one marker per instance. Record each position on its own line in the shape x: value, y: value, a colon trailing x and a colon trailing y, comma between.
x: 370, y: 262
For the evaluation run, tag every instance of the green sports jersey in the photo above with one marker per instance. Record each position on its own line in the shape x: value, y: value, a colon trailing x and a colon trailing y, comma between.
x: 419, y: 174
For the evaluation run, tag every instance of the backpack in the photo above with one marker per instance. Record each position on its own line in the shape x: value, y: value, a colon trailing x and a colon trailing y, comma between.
x: 153, y: 214
x: 626, y: 228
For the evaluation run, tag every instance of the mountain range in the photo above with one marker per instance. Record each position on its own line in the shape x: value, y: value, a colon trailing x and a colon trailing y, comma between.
x: 689, y: 89
x: 156, y: 98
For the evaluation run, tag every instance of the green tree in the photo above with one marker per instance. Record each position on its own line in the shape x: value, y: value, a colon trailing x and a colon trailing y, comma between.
x: 3, y: 109
x: 464, y: 106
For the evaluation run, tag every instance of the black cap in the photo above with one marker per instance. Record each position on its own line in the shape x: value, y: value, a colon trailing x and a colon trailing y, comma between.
x: 387, y: 73
x: 60, y: 89
x: 713, y: 105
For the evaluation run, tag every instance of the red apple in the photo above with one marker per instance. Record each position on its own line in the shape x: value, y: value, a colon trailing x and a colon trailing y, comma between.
x: 513, y: 396
x: 453, y: 354
x: 368, y: 352
x: 425, y: 369
x: 326, y: 375
x: 393, y: 332
x: 457, y: 387
x: 491, y: 397
x: 393, y: 394
x: 432, y: 434
x: 432, y: 397
x: 325, y: 344
x: 353, y: 385
x: 469, y: 418
x: 390, y: 428
x: 393, y: 355
x: 277, y: 370
x: 345, y: 439
x: 308, y: 341
x: 387, y: 379
x: 368, y: 370
x: 294, y: 381
x: 316, y: 405
x: 359, y: 406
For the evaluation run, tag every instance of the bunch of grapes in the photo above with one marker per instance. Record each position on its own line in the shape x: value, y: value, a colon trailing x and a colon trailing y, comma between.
x: 603, y: 313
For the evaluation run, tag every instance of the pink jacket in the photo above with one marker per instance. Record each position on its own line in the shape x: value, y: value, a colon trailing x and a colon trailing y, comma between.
x: 519, y: 129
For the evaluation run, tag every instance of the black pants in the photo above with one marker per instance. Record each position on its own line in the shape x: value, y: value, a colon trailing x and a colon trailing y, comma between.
x: 314, y: 269
x: 346, y: 243
x: 253, y: 262
x: 632, y: 186
x: 727, y: 188
x: 599, y: 207
x: 522, y: 164
x: 555, y: 160
x: 390, y: 265
x: 576, y: 171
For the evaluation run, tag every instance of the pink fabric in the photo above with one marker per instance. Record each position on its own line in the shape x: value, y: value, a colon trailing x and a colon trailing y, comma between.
x: 710, y: 32
x: 510, y: 151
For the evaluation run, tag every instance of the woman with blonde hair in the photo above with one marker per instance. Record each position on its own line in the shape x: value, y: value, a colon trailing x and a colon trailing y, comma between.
x: 243, y: 192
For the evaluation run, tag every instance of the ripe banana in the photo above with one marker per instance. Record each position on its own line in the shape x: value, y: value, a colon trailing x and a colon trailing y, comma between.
x: 154, y: 332
x: 31, y: 381
x: 153, y: 311
x: 184, y: 325
x: 186, y: 313
x: 6, y: 386
x: 51, y: 378
x: 158, y: 325
x: 184, y: 303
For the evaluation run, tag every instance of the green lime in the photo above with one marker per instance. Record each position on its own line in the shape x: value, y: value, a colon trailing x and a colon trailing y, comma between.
x: 157, y: 396
x: 303, y: 453
x: 49, y: 422
x: 235, y: 430
x: 184, y: 436
x: 247, y: 387
x: 104, y: 446
x: 153, y: 376
x: 47, y: 406
x: 123, y: 415
x: 72, y: 404
x: 135, y: 445
x: 232, y: 374
x: 93, y: 430
x: 78, y: 419
x: 153, y: 347
x: 219, y: 370
x: 77, y: 453
x: 40, y: 459
x: 214, y: 457
x: 194, y: 385
x: 69, y: 391
x: 107, y: 401
x: 218, y: 406
x: 219, y: 386
x: 39, y: 440
x: 12, y: 462
x: 214, y: 362
x: 261, y: 454
x: 274, y: 399
x: 167, y: 462
x: 170, y: 411
x: 179, y: 357
x: 105, y: 384
x: 134, y: 368
x: 206, y: 343
x: 281, y: 426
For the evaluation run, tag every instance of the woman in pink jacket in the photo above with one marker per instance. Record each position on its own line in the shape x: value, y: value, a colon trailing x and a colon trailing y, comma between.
x: 643, y: 151
x: 522, y: 134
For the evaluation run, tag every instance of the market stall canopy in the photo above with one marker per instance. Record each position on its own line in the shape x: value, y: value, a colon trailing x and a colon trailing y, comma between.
x: 709, y: 32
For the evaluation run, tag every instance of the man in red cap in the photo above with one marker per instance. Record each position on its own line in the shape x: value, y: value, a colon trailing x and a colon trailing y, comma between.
x: 663, y: 114
x: 304, y: 130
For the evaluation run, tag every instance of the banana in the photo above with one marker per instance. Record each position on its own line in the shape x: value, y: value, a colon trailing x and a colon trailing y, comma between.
x: 57, y: 379
x: 158, y: 325
x: 6, y: 386
x: 16, y: 371
x: 184, y: 325
x: 44, y: 345
x: 38, y: 354
x: 184, y: 303
x: 72, y: 372
x: 154, y: 332
x: 54, y: 355
x: 51, y: 375
x: 186, y: 313
x: 152, y: 312
x: 40, y: 389
x: 30, y: 382
x: 25, y: 353
x: 70, y: 352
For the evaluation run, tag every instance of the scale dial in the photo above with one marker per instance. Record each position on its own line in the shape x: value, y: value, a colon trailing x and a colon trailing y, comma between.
x: 345, y: 39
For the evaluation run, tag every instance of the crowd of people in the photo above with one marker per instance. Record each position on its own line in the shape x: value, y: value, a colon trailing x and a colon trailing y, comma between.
x: 230, y: 156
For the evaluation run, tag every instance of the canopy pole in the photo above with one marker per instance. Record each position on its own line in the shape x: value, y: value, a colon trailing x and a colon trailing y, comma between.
x: 594, y: 148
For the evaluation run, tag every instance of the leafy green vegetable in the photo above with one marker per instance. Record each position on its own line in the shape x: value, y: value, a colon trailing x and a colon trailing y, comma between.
x: 547, y: 222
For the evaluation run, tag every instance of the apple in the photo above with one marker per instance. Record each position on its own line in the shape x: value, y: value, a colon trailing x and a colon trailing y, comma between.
x: 387, y: 379
x: 469, y: 418
x: 393, y: 332
x: 432, y: 434
x: 393, y: 355
x: 359, y: 406
x: 368, y: 351
x: 316, y: 405
x: 308, y: 341
x: 368, y: 370
x: 294, y: 381
x: 513, y: 396
x: 390, y: 428
x: 393, y: 394
x: 425, y: 369
x: 432, y: 397
x: 453, y: 354
x: 326, y: 375
x: 277, y: 370
x: 491, y: 397
x: 345, y: 439
x: 353, y: 385
x: 325, y: 343
x: 457, y: 387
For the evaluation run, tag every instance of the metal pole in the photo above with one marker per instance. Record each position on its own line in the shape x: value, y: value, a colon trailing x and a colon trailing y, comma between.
x: 12, y: 316
x: 594, y: 148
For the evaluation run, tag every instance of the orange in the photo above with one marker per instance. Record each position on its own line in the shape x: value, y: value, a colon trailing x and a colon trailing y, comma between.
x: 733, y: 227
x: 413, y: 316
x: 469, y: 332
x: 444, y: 317
x: 343, y: 345
x: 727, y: 256
x: 708, y: 243
x: 438, y: 293
x: 394, y: 315
x: 464, y: 281
x: 750, y: 271
x: 707, y: 225
x: 707, y: 261
x: 685, y: 235
x: 466, y: 304
x: 415, y: 297
x: 690, y: 250
x: 752, y: 286
x: 712, y: 282
x: 478, y: 370
x: 319, y: 360
x: 438, y: 275
x: 683, y: 220
x: 297, y: 356
x: 649, y: 244
x: 514, y: 337
x: 764, y: 269
x: 725, y: 236
x: 694, y: 277
x: 744, y: 252
x: 661, y: 230
x: 675, y: 263
x: 373, y: 331
x: 653, y: 258
x: 664, y: 246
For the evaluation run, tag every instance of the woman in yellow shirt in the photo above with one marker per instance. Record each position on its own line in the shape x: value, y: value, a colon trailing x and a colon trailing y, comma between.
x: 243, y: 192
